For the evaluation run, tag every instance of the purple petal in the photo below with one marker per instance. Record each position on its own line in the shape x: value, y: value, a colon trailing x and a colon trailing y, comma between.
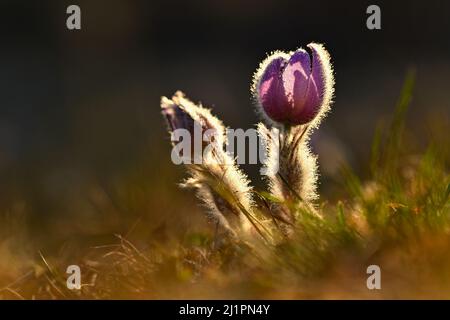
x: 310, y: 105
x: 318, y: 70
x: 295, y: 77
x: 271, y: 91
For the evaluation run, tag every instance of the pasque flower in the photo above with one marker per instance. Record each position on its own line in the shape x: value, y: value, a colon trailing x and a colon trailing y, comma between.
x: 295, y: 88
x: 221, y: 186
x: 293, y: 92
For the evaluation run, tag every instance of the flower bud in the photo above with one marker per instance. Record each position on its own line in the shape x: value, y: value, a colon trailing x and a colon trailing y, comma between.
x: 295, y: 88
x: 181, y: 113
x: 176, y: 115
x: 220, y: 184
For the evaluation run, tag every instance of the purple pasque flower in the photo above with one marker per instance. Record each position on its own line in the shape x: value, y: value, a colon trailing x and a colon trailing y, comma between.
x: 295, y: 88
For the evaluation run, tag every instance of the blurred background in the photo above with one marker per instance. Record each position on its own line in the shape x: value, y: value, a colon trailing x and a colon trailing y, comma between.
x: 84, y: 152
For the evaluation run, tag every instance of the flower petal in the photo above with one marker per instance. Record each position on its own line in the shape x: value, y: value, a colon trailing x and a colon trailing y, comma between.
x: 307, y: 108
x: 271, y: 92
x: 295, y: 77
x: 320, y: 72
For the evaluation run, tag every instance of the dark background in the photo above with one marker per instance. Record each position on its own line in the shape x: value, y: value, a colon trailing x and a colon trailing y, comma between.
x: 80, y: 124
